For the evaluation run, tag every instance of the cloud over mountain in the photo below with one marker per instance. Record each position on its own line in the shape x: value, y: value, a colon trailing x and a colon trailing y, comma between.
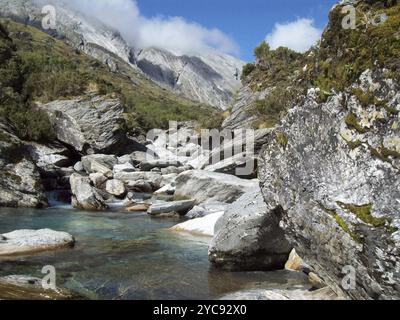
x: 298, y: 35
x: 171, y: 33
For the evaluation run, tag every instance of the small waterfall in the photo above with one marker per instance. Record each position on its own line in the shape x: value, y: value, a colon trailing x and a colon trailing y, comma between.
x: 58, y: 199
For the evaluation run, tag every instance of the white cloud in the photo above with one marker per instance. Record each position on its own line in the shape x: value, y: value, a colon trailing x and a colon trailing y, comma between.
x: 298, y: 35
x: 171, y: 33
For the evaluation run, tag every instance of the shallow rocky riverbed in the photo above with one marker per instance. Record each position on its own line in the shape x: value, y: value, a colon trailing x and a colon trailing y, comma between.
x: 130, y: 256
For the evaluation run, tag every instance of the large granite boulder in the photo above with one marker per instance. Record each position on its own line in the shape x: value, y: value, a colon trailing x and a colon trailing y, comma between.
x: 92, y: 125
x: 332, y: 171
x: 31, y: 241
x: 84, y: 195
x: 248, y: 237
x: 204, y: 186
x: 20, y: 182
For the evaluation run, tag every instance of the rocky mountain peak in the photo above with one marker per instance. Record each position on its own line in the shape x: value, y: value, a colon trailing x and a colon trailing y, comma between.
x: 211, y: 78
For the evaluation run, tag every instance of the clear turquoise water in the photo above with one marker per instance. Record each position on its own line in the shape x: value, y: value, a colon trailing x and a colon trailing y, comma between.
x: 120, y: 256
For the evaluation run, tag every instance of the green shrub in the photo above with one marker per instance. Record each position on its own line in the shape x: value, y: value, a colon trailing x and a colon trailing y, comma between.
x: 247, y: 70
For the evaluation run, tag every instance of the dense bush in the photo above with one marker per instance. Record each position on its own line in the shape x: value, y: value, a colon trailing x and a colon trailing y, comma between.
x: 15, y: 105
x: 247, y: 70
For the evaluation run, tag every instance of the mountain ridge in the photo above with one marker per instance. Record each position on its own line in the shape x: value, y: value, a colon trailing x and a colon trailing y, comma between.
x: 102, y: 42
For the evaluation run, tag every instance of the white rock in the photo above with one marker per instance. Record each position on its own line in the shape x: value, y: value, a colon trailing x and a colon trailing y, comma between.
x: 78, y: 167
x: 206, y: 186
x: 200, y: 226
x: 30, y: 241
x: 126, y: 167
x: 116, y: 188
x: 168, y: 189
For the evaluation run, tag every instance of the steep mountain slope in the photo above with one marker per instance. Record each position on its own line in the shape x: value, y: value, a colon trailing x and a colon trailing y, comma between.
x: 38, y: 68
x: 209, y: 78
x: 79, y: 30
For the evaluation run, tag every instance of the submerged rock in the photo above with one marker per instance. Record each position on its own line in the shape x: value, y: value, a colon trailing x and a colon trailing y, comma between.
x: 138, y: 207
x: 31, y: 241
x: 248, y: 237
x: 84, y: 196
x: 204, y: 186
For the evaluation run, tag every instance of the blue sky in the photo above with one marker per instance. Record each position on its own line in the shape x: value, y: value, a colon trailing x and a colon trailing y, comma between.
x: 247, y: 22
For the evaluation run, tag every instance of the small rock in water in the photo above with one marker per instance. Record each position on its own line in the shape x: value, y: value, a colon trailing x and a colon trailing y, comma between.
x: 181, y: 207
x: 30, y: 241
